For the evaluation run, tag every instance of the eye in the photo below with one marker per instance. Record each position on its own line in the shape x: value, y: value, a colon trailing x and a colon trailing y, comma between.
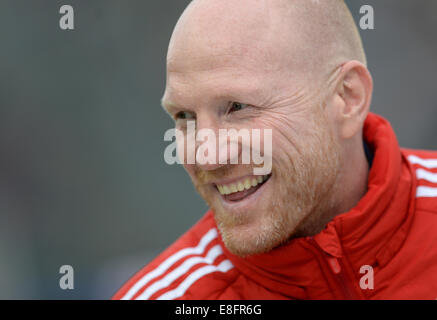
x: 236, y: 106
x: 183, y: 115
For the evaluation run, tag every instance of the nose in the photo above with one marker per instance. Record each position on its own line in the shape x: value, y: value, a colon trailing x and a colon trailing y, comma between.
x: 211, y: 152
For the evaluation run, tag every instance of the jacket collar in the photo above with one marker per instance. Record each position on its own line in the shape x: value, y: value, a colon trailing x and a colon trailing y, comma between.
x: 373, y: 231
x: 369, y: 234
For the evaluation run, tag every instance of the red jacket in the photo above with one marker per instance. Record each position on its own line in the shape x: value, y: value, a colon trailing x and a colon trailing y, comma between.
x: 391, y: 232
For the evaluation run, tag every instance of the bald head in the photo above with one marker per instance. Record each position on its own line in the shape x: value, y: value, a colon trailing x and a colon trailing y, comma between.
x: 304, y: 37
x: 295, y: 67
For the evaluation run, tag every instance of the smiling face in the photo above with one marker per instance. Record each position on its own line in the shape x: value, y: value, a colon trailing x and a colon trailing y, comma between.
x: 227, y: 70
x: 273, y: 208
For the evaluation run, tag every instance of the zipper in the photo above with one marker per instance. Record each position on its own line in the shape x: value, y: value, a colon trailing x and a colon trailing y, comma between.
x: 337, y: 270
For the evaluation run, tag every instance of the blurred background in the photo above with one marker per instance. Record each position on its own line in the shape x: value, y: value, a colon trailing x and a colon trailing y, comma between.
x: 82, y: 176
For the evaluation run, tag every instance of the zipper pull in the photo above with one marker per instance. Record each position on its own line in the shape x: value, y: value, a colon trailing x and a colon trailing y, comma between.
x: 332, y: 261
x: 334, y: 264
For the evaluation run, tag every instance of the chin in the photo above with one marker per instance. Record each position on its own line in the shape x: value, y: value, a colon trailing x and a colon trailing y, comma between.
x: 251, y: 240
x: 258, y: 222
x: 263, y: 231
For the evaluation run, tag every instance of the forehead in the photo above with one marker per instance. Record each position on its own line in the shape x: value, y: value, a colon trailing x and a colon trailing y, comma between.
x: 222, y: 46
x: 209, y: 82
x: 211, y: 28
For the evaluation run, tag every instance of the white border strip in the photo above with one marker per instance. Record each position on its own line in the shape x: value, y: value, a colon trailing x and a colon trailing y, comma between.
x: 225, y: 266
x: 427, y: 163
x: 426, y: 175
x: 164, y: 266
x: 213, y: 253
x: 426, y: 192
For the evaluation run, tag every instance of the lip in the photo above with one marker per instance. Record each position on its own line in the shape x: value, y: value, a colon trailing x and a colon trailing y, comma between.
x: 246, y: 203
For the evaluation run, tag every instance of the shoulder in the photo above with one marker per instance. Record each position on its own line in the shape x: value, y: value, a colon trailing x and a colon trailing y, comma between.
x: 193, y: 267
x: 423, y: 164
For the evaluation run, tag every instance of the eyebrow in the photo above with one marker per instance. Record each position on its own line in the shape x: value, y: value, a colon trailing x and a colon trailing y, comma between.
x: 170, y: 107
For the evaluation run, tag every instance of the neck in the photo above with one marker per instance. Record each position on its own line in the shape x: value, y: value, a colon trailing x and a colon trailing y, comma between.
x: 354, y: 178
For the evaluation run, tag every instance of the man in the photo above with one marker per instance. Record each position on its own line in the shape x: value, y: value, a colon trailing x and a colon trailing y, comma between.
x: 344, y: 212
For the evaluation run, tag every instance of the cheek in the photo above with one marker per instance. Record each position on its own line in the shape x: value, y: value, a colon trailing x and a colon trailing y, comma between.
x: 288, y: 137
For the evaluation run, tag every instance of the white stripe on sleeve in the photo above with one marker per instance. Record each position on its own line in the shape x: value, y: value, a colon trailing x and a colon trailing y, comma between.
x: 426, y: 192
x: 426, y: 175
x: 213, y: 253
x: 427, y: 163
x: 164, y: 266
x: 225, y: 266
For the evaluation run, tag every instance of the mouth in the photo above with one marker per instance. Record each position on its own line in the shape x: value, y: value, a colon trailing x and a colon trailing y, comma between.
x: 239, y: 190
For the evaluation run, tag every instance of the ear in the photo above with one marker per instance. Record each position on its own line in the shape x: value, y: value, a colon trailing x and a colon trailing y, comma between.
x: 353, y: 96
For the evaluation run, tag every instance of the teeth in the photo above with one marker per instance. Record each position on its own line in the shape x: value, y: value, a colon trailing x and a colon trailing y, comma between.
x: 254, y: 182
x: 247, y: 184
x: 239, y: 186
x: 226, y: 190
x: 220, y: 189
x: 233, y: 188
